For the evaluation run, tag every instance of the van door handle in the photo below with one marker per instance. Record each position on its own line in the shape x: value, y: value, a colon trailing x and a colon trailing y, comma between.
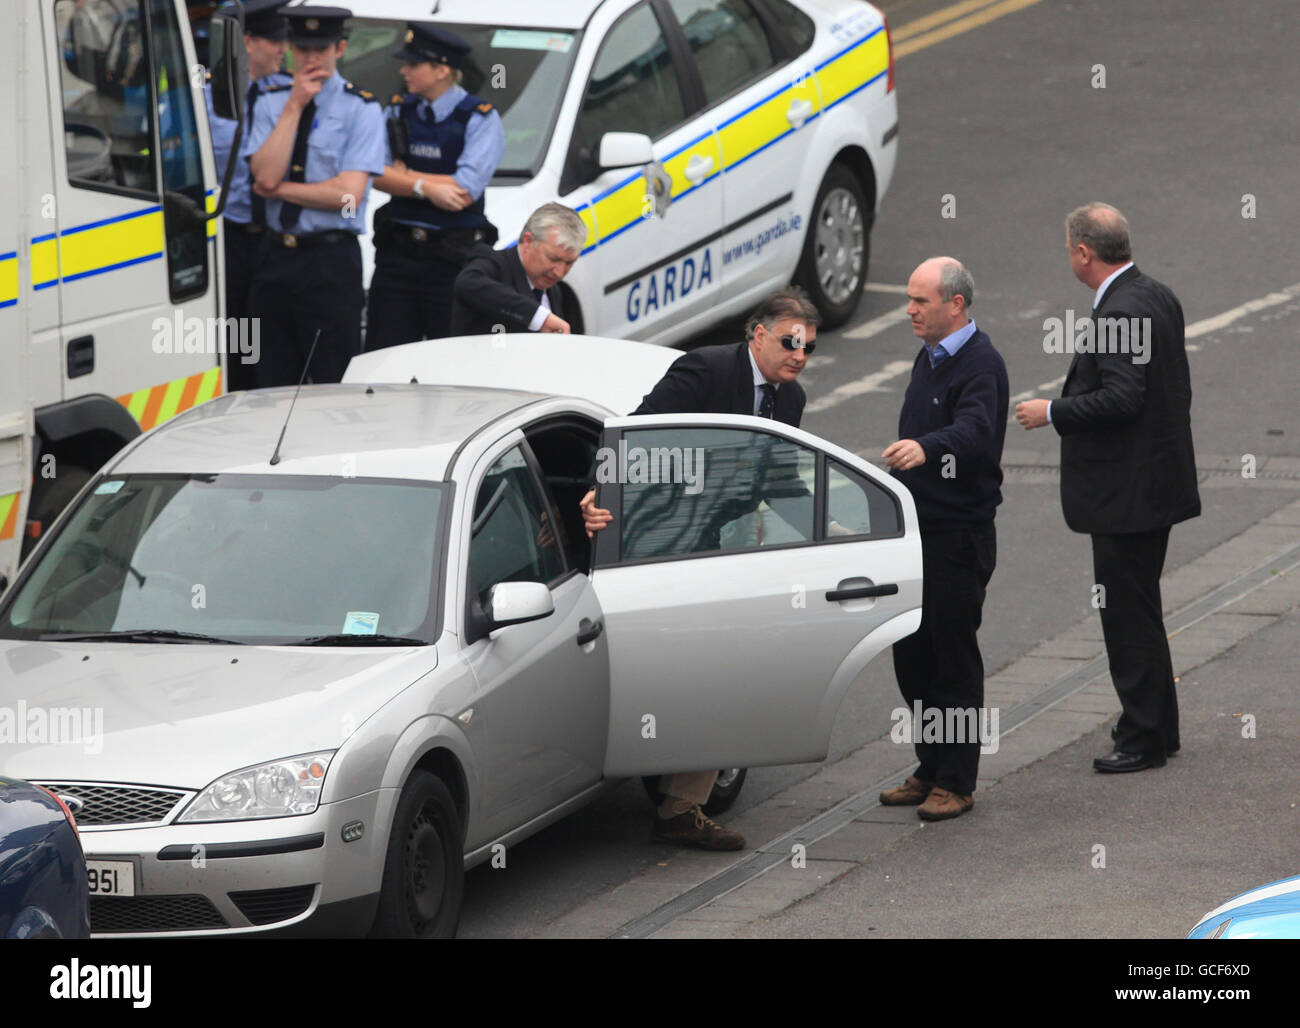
x: 81, y: 356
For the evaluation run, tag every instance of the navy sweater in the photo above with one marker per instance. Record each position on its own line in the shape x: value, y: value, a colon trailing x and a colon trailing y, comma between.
x: 958, y: 413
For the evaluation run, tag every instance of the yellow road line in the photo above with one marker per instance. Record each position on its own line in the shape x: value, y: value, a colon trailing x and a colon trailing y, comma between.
x: 982, y: 16
x: 950, y: 13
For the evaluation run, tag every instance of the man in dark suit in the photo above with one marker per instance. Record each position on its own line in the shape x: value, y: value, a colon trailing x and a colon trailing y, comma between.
x: 1128, y: 471
x: 518, y: 289
x: 755, y: 377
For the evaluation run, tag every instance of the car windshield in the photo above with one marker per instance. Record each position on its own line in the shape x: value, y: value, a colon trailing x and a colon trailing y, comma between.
x: 522, y: 72
x: 242, y: 558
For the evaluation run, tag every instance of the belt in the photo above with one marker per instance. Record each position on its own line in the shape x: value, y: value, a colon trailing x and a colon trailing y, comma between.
x: 304, y: 240
x: 246, y: 228
x: 421, y: 243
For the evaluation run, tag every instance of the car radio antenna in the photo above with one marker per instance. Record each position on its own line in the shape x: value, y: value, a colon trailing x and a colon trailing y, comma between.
x: 275, y: 457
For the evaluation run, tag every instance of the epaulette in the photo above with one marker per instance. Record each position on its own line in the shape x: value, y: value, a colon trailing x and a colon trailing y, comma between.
x: 279, y: 87
x: 484, y: 108
x: 397, y: 99
x: 207, y: 76
x: 356, y: 90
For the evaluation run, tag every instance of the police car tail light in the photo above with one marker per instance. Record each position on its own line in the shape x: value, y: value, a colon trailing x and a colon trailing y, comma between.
x: 889, y: 43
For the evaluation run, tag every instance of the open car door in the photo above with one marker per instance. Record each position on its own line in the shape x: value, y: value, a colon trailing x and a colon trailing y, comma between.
x: 750, y: 573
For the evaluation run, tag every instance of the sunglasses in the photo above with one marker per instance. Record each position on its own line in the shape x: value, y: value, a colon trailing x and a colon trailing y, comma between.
x: 794, y: 343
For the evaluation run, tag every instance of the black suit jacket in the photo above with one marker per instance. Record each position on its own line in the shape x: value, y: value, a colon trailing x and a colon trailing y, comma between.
x: 718, y: 380
x: 491, y: 290
x: 1127, y: 463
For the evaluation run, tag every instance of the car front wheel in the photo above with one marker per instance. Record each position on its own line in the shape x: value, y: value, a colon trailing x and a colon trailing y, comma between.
x: 424, y: 870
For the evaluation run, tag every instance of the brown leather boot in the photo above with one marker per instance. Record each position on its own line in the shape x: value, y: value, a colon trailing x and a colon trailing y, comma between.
x: 910, y: 793
x: 692, y: 828
x: 942, y: 804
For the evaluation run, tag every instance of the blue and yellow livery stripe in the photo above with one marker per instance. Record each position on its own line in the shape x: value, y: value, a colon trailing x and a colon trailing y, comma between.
x: 210, y: 205
x: 761, y: 124
x: 97, y: 247
x: 854, y: 68
x: 8, y: 279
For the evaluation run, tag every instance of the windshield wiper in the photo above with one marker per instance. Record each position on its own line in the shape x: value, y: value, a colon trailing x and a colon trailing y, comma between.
x: 142, y: 635
x: 348, y: 639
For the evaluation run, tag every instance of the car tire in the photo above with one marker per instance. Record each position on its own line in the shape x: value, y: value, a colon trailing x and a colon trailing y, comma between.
x: 725, y: 790
x: 837, y: 247
x: 424, y: 869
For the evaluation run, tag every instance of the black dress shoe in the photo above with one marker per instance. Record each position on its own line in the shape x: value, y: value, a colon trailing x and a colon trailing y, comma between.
x: 1119, y: 762
x: 1171, y: 751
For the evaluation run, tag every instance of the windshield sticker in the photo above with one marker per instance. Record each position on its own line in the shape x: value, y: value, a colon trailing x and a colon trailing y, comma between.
x: 360, y: 622
x: 109, y: 488
x: 523, y: 39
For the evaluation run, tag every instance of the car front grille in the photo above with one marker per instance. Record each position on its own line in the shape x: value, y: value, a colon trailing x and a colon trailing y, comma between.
x: 266, y: 906
x: 107, y: 804
x: 153, y: 914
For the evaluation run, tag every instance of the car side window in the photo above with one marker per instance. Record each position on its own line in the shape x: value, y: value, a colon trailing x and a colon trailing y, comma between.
x: 702, y: 490
x: 727, y: 39
x: 634, y: 85
x: 512, y: 538
x: 859, y: 506
x: 795, y: 27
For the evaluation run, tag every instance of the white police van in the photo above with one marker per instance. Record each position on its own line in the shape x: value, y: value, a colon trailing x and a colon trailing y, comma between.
x: 763, y: 134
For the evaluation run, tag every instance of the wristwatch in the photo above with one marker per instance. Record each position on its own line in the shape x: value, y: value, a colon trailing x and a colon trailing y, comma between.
x: 418, y: 188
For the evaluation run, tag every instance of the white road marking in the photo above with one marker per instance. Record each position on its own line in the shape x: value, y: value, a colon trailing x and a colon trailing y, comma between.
x: 867, y: 384
x: 881, y: 287
x: 877, y: 325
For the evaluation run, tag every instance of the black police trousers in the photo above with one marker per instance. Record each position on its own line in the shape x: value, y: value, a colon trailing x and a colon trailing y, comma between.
x: 410, y: 298
x: 297, y: 291
x: 243, y: 252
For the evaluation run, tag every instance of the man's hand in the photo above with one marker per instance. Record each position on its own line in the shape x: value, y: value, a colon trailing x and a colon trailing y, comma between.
x: 447, y: 195
x: 555, y: 324
x: 595, y: 518
x: 1032, y: 413
x: 904, y: 455
x: 306, y: 87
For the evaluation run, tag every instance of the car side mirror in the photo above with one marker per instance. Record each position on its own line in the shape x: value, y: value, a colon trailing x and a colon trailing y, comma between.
x: 625, y: 150
x: 513, y: 603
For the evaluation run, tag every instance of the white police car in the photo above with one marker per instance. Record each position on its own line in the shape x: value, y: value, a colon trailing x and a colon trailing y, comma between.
x: 770, y: 127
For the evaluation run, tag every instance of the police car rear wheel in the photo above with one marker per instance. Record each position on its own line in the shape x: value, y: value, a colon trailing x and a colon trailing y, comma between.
x: 833, y: 268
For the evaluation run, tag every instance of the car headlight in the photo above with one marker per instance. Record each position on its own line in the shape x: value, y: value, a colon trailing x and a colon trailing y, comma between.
x: 278, y: 789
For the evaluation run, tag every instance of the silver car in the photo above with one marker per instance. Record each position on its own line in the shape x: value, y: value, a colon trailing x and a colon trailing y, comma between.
x: 302, y: 686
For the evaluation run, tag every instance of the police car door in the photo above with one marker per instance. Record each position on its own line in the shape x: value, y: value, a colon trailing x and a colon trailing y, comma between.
x: 750, y: 572
x: 656, y: 226
x: 756, y: 73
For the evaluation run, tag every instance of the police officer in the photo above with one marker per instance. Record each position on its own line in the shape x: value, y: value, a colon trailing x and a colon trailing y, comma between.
x: 312, y: 150
x: 265, y: 32
x: 450, y: 144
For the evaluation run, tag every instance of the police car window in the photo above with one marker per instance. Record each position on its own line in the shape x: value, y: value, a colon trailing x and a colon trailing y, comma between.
x: 727, y: 39
x: 633, y: 86
x: 702, y: 490
x: 520, y: 72
x: 795, y: 27
x: 858, y: 505
x: 107, y: 101
x: 512, y: 536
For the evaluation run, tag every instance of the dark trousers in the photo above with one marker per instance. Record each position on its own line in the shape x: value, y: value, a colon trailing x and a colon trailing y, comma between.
x: 410, y: 299
x: 1129, y: 567
x: 243, y: 251
x: 297, y: 291
x: 940, y: 664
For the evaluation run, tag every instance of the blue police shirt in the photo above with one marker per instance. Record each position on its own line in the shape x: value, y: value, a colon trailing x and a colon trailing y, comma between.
x: 239, y: 205
x: 347, y: 135
x: 485, y: 140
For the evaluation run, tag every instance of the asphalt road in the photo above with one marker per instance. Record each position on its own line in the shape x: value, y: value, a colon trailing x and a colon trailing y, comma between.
x: 1196, y: 113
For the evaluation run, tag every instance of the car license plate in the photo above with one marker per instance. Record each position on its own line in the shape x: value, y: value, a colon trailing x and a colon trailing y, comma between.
x: 111, y: 877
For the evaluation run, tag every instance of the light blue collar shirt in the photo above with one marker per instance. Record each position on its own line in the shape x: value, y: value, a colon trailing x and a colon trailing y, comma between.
x: 949, y: 345
x: 1101, y: 289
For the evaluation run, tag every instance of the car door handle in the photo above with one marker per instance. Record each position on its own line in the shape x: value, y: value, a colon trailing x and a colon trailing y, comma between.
x: 589, y: 630
x: 797, y: 113
x: 698, y: 168
x: 862, y: 592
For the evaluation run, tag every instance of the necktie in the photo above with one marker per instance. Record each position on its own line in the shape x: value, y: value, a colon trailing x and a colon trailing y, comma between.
x: 767, y: 406
x: 538, y: 294
x: 298, y: 166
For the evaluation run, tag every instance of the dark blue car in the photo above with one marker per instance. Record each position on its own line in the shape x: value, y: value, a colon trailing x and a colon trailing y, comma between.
x: 44, y: 892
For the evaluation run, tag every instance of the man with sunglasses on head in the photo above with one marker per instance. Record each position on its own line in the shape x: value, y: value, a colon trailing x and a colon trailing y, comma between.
x: 952, y: 427
x: 756, y: 377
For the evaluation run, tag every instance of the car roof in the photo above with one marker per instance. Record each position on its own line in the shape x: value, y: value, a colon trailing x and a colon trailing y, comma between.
x: 366, y: 431
x: 550, y: 14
